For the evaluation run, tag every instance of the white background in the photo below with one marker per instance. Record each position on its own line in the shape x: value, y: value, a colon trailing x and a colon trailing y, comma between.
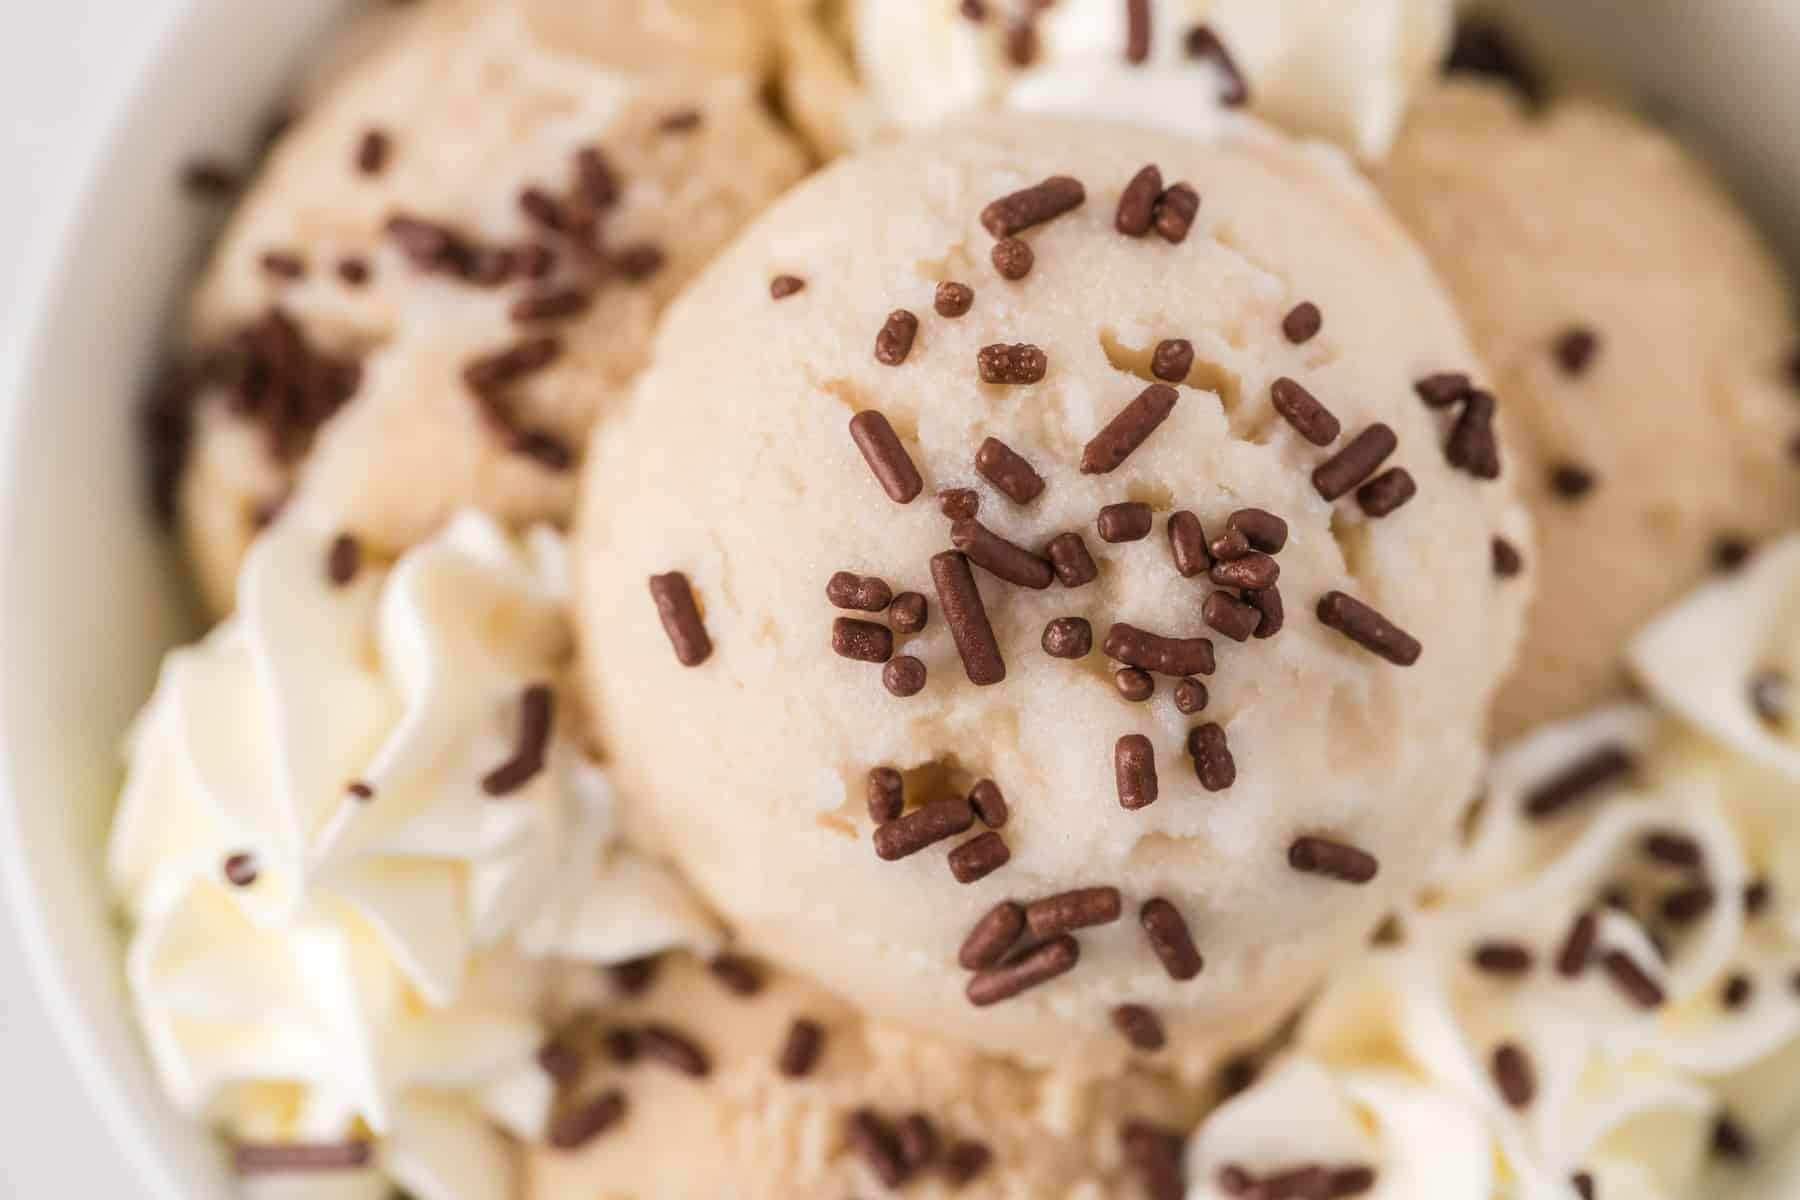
x: 53, y: 56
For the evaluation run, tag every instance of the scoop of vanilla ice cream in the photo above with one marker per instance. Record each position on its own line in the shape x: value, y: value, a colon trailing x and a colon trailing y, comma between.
x: 356, y: 821
x: 1642, y: 348
x: 330, y: 350
x: 1343, y: 72
x: 737, y: 468
x: 747, y: 1129
x: 1651, y: 1053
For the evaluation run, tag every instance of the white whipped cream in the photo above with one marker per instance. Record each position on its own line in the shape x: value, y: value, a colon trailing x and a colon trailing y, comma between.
x: 377, y: 976
x: 1393, y: 1066
x: 1334, y: 69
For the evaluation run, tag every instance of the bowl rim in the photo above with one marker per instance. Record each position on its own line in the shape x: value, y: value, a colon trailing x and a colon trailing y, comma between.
x: 43, y: 299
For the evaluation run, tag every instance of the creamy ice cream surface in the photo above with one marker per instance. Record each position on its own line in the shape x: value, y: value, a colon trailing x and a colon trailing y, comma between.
x: 451, y: 264
x: 1343, y: 72
x: 357, y: 825
x: 994, y: 466
x: 1598, y: 998
x: 1643, y: 349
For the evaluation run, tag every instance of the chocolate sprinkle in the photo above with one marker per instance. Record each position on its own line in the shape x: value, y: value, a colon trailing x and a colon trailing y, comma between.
x: 675, y: 1049
x: 1267, y: 601
x: 1213, y: 764
x: 1686, y: 905
x: 1256, y: 571
x: 1128, y: 430
x: 681, y: 617
x: 861, y: 641
x: 959, y: 503
x: 1134, y: 685
x: 1771, y: 694
x: 537, y: 719
x: 874, y: 1142
x: 1351, y: 466
x: 1444, y: 389
x: 353, y: 271
x: 1303, y: 322
x: 1190, y: 697
x: 343, y: 559
x: 1513, y: 1075
x: 922, y: 827
x: 992, y: 936
x: 1580, y: 780
x: 1156, y: 1154
x: 1007, y: 470
x: 1139, y: 1026
x: 783, y: 286
x: 283, y: 264
x: 1012, y: 258
x: 1228, y: 545
x: 1202, y: 43
x: 979, y: 857
x: 557, y: 305
x: 1301, y: 409
x: 1038, y: 965
x: 1737, y: 991
x: 1014, y: 365
x: 919, y: 1142
x: 887, y: 458
x: 1501, y: 958
x: 1137, y: 30
x: 1673, y: 848
x: 886, y: 792
x: 1731, y: 1140
x: 1473, y: 446
x: 1484, y: 50
x: 1068, y: 637
x: 966, y: 615
x: 1007, y: 560
x: 908, y: 614
x: 989, y: 803
x: 862, y: 593
x: 284, y: 1158
x: 372, y: 151
x: 1013, y: 214
x: 738, y: 974
x: 1262, y: 529
x: 953, y: 300
x: 240, y: 870
x: 800, y: 1051
x: 1163, y: 655
x: 1137, y: 203
x: 1172, y: 359
x: 1631, y: 979
x: 1230, y: 616
x: 1187, y: 544
x: 1508, y: 562
x: 1080, y: 908
x: 1575, y: 350
x: 1170, y: 939
x: 1127, y: 521
x: 1175, y: 212
x: 1368, y: 629
x: 966, y: 1160
x: 1134, y: 770
x: 1386, y: 492
x: 1571, y: 481
x: 1075, y: 567
x: 895, y: 341
x: 1332, y: 860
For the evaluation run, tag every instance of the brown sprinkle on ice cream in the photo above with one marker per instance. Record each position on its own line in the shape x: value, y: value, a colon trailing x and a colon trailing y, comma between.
x: 1301, y: 409
x: 1332, y: 860
x: 1190, y: 697
x: 1014, y: 365
x: 1213, y: 764
x: 861, y: 641
x: 965, y: 1161
x: 1631, y: 979
x: 1229, y: 545
x: 887, y: 458
x: 289, y: 1158
x: 1013, y: 214
x: 1139, y: 1026
x: 959, y: 504
x: 922, y: 827
x: 672, y: 1048
x: 873, y: 1141
x: 903, y: 676
x: 1575, y: 349
x: 1508, y: 562
x: 1007, y: 470
x: 1230, y: 616
x: 1255, y: 571
x: 862, y: 593
x: 989, y: 803
x: 537, y: 719
x: 1137, y: 203
x: 953, y: 300
x: 1187, y: 544
x: 886, y: 794
x: 1068, y: 637
x: 343, y: 559
x: 1156, y: 1154
x: 1368, y: 629
x: 1203, y: 44
x: 1513, y: 1075
x: 1579, y: 781
x: 1036, y: 966
x: 1007, y: 560
x: 1443, y: 389
x: 1170, y: 939
x: 966, y: 615
x: 1267, y: 601
x: 1571, y: 481
x: 800, y: 1051
x: 1387, y: 492
x: 979, y: 857
x: 680, y: 616
x: 1127, y: 521
x: 1080, y: 908
x: 283, y: 264
x: 1347, y: 469
x: 1172, y: 359
x: 1175, y: 212
x: 1262, y: 529
x: 1474, y: 446
x: 920, y: 1145
x: 908, y: 614
x: 1137, y: 30
x: 240, y: 870
x: 1163, y: 655
x: 1134, y: 685
x: 1128, y: 430
x: 1075, y: 567
x: 783, y: 286
x: 992, y: 936
x: 372, y: 151
x: 1134, y: 770
x: 737, y: 974
x: 1303, y: 322
x: 1013, y: 258
x: 558, y: 304
x: 1501, y: 958
x: 895, y: 341
x: 517, y: 361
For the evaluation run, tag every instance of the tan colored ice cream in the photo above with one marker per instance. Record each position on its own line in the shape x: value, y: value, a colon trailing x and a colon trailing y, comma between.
x: 640, y: 121
x: 1639, y: 332
x: 737, y: 465
x: 751, y: 1130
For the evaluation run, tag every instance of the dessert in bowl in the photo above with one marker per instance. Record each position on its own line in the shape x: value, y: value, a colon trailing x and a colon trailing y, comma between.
x: 1122, y: 515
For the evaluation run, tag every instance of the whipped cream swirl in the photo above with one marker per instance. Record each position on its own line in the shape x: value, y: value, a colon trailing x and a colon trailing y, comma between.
x: 356, y: 822
x: 1344, y: 72
x: 1601, y: 996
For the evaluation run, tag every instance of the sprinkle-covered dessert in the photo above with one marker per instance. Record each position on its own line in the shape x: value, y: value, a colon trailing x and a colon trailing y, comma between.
x: 1211, y: 683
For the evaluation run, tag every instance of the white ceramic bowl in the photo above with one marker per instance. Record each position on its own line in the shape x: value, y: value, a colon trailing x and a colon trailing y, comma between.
x: 90, y: 599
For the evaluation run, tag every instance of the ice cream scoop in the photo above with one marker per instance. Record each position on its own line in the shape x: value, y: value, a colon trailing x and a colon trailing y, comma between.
x: 1644, y: 350
x: 1013, y: 652
x: 449, y: 267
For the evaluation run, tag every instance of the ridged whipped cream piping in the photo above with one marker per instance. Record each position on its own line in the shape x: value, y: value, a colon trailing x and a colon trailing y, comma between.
x: 1343, y: 72
x: 337, y: 921
x: 1678, y: 1034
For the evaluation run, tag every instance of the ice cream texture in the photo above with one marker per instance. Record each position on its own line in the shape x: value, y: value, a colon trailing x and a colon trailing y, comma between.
x: 878, y: 400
